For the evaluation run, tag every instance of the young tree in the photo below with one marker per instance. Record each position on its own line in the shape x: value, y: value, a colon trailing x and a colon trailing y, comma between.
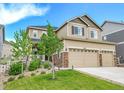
x: 42, y: 45
x: 22, y: 47
x: 53, y: 44
x: 50, y: 44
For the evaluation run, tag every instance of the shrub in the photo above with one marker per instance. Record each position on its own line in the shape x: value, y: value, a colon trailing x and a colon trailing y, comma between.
x: 43, y: 72
x: 32, y: 74
x: 20, y: 76
x: 16, y: 68
x: 34, y: 65
x: 11, y: 79
x: 5, y: 83
x: 47, y: 65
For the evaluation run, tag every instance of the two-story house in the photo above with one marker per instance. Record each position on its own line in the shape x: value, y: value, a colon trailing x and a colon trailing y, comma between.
x: 83, y: 44
x: 114, y: 32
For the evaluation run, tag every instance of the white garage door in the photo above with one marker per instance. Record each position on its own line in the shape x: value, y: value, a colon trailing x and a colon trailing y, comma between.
x: 107, y: 59
x: 81, y: 58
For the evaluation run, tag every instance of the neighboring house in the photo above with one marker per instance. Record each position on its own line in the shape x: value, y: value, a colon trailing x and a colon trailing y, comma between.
x: 114, y: 32
x: 83, y: 44
x: 5, y: 46
x: 1, y: 38
x: 7, y: 49
x: 35, y: 33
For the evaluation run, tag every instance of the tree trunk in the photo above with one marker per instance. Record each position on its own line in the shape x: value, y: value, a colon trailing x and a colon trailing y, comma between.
x: 53, y: 69
x: 22, y: 68
x: 27, y: 58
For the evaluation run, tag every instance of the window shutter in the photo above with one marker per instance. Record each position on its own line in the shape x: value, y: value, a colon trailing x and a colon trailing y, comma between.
x: 82, y: 31
x: 72, y: 30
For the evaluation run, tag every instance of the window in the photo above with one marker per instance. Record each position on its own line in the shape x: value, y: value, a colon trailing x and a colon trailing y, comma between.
x: 35, y: 34
x: 104, y: 38
x: 94, y: 34
x: 44, y: 32
x: 77, y: 31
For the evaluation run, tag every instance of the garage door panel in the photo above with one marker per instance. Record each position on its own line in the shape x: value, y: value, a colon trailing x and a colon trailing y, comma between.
x: 91, y: 59
x: 75, y: 59
x: 83, y: 59
x: 107, y: 59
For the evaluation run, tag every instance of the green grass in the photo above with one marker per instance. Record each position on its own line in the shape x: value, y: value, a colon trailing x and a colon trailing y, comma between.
x: 66, y: 80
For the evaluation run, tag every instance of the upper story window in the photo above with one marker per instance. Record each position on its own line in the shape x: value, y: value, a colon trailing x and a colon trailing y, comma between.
x: 44, y: 32
x: 35, y: 34
x: 94, y: 34
x: 77, y: 31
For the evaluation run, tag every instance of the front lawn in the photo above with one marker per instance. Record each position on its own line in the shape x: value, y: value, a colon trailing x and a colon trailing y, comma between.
x: 66, y: 80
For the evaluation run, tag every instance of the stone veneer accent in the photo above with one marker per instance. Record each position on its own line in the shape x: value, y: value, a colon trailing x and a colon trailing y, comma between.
x: 62, y: 60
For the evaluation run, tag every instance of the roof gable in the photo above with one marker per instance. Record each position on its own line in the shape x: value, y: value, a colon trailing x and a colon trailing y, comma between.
x: 79, y: 20
x: 90, y: 22
x: 85, y: 19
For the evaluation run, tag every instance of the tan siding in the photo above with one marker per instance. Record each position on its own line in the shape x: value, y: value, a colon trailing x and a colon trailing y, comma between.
x: 77, y: 20
x: 62, y: 33
x: 69, y: 43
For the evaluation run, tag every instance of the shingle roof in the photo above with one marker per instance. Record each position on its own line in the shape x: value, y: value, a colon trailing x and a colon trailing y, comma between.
x: 43, y: 27
x: 113, y: 22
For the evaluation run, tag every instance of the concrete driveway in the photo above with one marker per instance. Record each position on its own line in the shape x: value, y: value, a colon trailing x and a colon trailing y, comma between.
x: 113, y: 74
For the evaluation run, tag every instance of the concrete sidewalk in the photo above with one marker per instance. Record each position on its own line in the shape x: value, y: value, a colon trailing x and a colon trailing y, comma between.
x: 112, y: 74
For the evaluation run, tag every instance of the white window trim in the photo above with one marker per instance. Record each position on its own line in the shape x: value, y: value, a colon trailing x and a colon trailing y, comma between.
x: 95, y: 37
x: 79, y: 26
x: 35, y: 31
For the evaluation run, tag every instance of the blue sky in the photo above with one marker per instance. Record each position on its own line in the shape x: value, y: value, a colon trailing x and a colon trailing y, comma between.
x: 19, y: 16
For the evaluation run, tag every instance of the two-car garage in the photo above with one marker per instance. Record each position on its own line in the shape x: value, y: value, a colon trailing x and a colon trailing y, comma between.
x: 90, y: 58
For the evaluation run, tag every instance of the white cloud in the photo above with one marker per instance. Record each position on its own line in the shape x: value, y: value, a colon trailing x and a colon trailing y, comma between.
x: 15, y: 12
